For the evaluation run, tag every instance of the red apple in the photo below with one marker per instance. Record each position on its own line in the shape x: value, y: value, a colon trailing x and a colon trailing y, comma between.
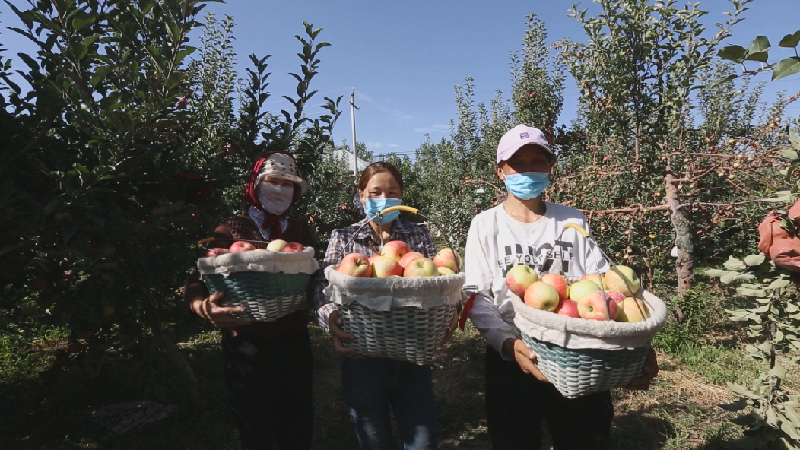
x: 446, y: 257
x: 216, y: 251
x: 410, y: 256
x: 594, y: 307
x: 276, y: 245
x: 519, y: 277
x: 617, y: 296
x: 613, y: 309
x: 422, y: 267
x: 559, y: 282
x: 541, y: 295
x: 241, y: 246
x: 384, y: 266
x: 356, y: 265
x: 395, y: 249
x: 293, y: 247
x: 568, y: 308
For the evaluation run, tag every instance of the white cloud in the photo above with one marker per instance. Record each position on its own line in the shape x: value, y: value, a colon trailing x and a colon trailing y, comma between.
x: 373, y: 144
x: 393, y: 145
x: 437, y: 128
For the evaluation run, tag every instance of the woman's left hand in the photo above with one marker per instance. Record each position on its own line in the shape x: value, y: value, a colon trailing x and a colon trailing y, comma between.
x: 650, y: 371
x: 451, y: 328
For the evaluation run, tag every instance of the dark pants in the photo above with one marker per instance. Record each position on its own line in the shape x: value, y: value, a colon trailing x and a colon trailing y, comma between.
x: 517, y: 402
x: 270, y: 389
x: 374, y: 385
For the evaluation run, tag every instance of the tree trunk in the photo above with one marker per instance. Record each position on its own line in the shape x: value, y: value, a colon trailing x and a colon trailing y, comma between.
x: 684, y: 264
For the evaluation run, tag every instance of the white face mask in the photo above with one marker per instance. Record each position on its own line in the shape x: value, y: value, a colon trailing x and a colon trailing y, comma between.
x: 275, y: 199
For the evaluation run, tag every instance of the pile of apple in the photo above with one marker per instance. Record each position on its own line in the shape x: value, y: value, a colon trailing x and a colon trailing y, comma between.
x: 275, y: 245
x: 613, y: 295
x: 397, y: 260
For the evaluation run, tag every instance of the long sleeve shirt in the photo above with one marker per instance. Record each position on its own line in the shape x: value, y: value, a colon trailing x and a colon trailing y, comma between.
x: 497, y: 242
x: 359, y: 238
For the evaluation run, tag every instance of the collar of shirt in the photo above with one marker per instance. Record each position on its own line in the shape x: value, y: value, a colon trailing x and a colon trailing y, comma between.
x: 258, y: 217
x: 400, y: 227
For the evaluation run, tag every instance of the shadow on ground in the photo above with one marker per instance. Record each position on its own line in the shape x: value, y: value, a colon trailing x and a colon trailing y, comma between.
x: 39, y: 413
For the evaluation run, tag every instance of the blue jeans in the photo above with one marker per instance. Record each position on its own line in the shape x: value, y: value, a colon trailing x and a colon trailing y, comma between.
x: 373, y: 385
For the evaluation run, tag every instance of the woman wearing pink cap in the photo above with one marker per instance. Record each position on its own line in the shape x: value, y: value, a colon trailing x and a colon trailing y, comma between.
x: 268, y: 365
x: 524, y: 229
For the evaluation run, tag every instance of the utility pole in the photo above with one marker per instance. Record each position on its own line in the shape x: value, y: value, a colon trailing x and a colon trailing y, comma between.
x: 353, y: 109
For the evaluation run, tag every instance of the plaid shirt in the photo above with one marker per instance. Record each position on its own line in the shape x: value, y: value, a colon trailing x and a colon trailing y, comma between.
x: 359, y: 238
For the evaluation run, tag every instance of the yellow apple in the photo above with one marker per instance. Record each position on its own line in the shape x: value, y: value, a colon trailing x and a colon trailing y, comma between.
x: 633, y: 310
x: 622, y: 279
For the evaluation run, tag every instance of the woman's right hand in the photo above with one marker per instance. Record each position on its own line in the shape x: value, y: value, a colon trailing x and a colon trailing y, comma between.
x: 524, y: 357
x: 219, y: 316
x: 339, y: 335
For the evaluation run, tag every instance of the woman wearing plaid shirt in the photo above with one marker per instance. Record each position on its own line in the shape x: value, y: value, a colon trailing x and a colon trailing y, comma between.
x: 374, y: 385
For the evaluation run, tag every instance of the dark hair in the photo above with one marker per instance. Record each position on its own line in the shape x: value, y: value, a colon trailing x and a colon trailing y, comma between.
x: 376, y: 168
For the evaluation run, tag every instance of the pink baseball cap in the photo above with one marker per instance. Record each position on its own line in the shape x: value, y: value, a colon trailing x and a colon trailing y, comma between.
x: 518, y: 136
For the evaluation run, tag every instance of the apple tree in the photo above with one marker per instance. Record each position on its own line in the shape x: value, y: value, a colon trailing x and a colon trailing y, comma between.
x: 664, y: 152
x: 112, y: 171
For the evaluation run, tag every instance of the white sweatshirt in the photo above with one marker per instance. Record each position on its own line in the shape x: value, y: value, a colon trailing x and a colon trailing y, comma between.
x: 497, y: 242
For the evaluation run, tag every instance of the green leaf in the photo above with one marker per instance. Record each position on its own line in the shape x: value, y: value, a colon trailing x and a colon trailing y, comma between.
x: 738, y: 405
x: 788, y: 66
x: 716, y: 273
x: 790, y: 40
x: 757, y: 56
x: 730, y: 277
x: 791, y: 414
x: 794, y: 139
x: 734, y: 264
x: 758, y: 49
x: 754, y: 260
x: 772, y: 418
x: 83, y: 20
x: 789, y: 429
x: 778, y: 371
x: 733, y: 53
x: 779, y: 284
x: 740, y: 390
x: 750, y: 292
x: 791, y: 155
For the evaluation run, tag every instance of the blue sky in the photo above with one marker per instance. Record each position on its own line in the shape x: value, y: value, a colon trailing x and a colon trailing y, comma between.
x: 404, y: 58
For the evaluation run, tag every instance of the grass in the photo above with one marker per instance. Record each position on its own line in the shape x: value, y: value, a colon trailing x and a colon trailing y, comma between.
x: 679, y: 412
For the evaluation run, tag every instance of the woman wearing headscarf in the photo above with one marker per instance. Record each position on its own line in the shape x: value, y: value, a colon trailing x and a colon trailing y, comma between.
x: 268, y: 365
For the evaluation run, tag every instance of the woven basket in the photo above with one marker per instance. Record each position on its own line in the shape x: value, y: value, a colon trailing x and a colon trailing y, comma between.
x: 268, y: 285
x: 580, y: 356
x: 580, y: 372
x: 265, y: 296
x: 408, y: 334
x: 399, y: 318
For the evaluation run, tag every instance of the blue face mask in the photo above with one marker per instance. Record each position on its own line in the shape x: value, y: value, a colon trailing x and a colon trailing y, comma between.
x: 375, y: 205
x: 527, y: 185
